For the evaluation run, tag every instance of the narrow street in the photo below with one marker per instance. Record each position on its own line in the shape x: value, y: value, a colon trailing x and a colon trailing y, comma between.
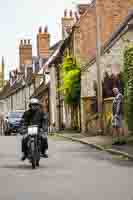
x: 73, y: 171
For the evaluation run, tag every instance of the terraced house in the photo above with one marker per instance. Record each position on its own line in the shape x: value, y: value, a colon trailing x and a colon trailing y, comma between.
x: 116, y: 33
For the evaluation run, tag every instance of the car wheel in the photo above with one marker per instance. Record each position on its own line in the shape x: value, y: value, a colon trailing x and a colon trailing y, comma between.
x: 5, y: 129
x: 2, y: 128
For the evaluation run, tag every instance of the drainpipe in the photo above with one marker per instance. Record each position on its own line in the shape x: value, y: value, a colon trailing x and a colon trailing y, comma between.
x: 58, y: 94
x: 98, y: 64
x: 11, y: 103
x: 49, y: 107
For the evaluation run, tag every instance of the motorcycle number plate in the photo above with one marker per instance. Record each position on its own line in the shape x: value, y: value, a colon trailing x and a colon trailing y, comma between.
x: 32, y: 130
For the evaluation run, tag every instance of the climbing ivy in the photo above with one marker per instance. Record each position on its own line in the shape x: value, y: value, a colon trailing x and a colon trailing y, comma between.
x: 128, y: 79
x: 70, y: 80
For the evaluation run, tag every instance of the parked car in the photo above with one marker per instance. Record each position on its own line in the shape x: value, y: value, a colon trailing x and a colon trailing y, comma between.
x: 12, y: 122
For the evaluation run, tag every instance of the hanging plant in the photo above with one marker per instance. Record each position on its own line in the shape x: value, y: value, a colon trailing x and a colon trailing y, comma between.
x: 71, y: 81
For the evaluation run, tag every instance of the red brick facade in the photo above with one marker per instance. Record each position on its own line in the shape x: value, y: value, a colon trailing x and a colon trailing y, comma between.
x: 87, y: 34
x: 25, y: 54
x: 43, y: 43
x: 112, y: 13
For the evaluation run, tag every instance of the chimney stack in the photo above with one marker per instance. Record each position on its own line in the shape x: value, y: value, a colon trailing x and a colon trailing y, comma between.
x: 67, y: 23
x: 25, y: 54
x: 43, y: 43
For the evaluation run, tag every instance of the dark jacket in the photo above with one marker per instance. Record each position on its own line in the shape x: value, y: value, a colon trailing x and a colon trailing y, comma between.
x: 37, y: 117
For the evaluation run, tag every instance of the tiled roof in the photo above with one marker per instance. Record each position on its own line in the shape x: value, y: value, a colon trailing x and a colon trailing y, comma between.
x: 9, y: 90
x: 5, y: 90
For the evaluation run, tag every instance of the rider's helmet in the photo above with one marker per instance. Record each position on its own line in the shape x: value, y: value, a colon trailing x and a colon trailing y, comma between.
x: 34, y: 103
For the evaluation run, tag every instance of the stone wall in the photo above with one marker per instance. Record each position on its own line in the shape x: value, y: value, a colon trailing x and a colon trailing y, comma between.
x: 90, y: 123
x: 111, y: 61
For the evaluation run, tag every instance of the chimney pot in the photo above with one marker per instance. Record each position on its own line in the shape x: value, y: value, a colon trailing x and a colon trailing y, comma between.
x: 65, y: 13
x: 71, y: 13
x: 40, y: 29
x: 46, y: 29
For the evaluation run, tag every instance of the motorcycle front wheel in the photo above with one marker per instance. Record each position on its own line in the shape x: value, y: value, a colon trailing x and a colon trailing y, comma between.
x: 33, y: 156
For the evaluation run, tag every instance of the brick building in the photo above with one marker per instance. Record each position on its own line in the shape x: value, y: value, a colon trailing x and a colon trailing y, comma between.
x: 112, y: 61
x: 111, y: 13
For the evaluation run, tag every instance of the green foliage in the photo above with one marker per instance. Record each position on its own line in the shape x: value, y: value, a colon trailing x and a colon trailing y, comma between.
x: 71, y: 81
x: 128, y: 79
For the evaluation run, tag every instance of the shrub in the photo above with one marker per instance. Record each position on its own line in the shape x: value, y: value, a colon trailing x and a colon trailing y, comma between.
x: 128, y: 79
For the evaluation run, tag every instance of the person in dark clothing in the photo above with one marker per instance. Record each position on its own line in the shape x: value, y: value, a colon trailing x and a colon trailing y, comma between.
x: 34, y: 116
x: 117, y: 110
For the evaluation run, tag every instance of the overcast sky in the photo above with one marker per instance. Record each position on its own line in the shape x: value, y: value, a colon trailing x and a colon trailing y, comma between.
x: 21, y: 18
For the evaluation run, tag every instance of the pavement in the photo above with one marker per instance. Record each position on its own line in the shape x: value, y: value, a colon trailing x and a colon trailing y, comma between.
x: 103, y: 143
x: 73, y: 171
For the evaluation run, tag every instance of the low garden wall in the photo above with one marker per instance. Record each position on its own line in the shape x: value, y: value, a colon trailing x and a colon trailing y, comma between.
x: 91, y: 122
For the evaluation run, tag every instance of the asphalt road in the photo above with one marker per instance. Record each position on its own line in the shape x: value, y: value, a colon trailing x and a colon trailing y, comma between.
x: 72, y: 172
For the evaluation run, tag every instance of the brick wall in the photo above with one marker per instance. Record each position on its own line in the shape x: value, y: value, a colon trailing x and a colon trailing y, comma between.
x: 43, y: 43
x: 25, y: 53
x: 87, y: 35
x: 112, y: 13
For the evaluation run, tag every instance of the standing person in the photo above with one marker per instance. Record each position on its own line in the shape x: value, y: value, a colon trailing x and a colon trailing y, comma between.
x: 117, y: 110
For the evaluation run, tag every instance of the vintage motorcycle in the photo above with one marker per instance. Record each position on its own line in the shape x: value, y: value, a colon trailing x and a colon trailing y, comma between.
x: 33, y: 135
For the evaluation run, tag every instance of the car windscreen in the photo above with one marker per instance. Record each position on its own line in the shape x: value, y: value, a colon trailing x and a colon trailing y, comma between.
x: 15, y: 115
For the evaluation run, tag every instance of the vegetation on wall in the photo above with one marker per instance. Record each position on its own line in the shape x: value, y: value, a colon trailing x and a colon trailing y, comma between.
x: 128, y: 79
x: 70, y: 80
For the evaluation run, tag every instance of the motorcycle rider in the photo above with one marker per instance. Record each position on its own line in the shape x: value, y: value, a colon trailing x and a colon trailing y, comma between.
x: 35, y: 116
